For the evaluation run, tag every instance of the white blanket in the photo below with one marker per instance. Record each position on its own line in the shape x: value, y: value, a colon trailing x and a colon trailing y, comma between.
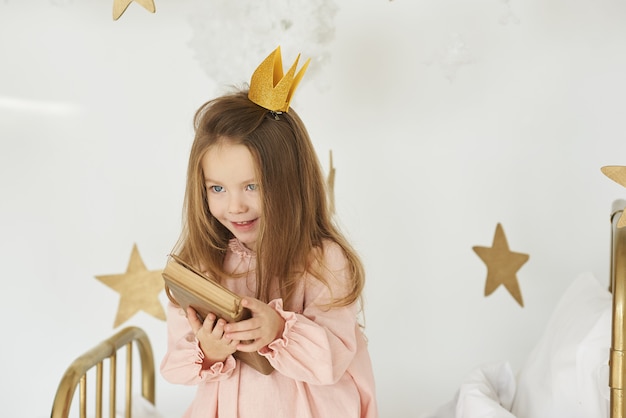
x: 487, y: 392
x: 566, y: 374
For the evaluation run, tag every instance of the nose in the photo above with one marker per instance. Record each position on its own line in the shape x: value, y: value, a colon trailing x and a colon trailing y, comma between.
x: 236, y: 203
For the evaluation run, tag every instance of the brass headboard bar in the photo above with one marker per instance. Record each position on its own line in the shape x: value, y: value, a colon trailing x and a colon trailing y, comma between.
x: 618, y: 334
x: 129, y: 378
x: 106, y: 349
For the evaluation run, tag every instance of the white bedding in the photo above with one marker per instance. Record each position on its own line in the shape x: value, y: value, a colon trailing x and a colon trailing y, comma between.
x: 140, y: 408
x: 566, y: 374
x: 488, y: 391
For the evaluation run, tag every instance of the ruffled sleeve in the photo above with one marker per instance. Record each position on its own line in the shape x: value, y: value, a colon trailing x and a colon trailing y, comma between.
x: 183, y: 361
x: 319, y: 344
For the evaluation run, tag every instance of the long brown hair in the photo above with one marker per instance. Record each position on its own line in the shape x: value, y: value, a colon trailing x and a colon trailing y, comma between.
x: 296, y: 218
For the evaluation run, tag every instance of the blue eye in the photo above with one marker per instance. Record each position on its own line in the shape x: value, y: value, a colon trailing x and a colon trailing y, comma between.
x: 216, y: 189
x: 252, y: 187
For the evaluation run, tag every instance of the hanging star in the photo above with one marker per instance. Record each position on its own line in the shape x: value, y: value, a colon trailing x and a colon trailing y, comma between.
x: 139, y: 289
x: 120, y: 6
x: 502, y: 265
x: 617, y: 173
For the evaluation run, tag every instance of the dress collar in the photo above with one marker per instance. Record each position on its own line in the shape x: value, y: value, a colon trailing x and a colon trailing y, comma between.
x: 238, y: 248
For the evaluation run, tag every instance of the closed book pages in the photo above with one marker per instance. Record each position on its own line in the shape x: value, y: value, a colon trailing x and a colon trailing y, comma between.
x: 185, y: 286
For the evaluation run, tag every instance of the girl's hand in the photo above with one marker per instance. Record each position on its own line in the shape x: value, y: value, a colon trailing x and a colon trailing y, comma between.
x: 265, y: 326
x: 210, y: 334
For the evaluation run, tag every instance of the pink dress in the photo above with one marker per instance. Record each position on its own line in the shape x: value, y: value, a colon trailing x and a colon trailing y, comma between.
x: 322, y: 365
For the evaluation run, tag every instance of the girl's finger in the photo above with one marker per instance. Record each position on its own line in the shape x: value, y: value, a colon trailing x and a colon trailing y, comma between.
x: 218, y: 329
x: 243, y: 335
x: 249, y: 346
x: 192, y: 317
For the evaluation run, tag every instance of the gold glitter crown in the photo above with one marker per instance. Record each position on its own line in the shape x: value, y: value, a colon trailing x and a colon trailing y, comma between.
x: 269, y: 88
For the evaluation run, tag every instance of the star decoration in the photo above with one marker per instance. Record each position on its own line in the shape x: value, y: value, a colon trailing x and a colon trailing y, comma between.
x: 502, y: 265
x: 617, y: 173
x: 139, y: 289
x: 120, y: 6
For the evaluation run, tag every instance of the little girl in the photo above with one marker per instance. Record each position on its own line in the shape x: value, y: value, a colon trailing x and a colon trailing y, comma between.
x: 257, y: 220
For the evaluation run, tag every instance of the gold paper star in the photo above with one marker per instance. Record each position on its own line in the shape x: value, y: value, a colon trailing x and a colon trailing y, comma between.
x: 617, y: 173
x: 502, y: 265
x: 120, y: 6
x: 139, y: 289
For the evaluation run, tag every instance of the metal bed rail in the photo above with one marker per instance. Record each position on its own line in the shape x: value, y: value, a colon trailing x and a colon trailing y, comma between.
x: 76, y: 374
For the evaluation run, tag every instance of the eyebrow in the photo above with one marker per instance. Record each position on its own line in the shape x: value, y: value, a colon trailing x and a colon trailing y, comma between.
x: 249, y: 181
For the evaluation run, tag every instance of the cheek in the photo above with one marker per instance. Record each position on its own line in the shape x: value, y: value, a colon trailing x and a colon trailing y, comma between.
x: 214, y: 207
x: 258, y: 202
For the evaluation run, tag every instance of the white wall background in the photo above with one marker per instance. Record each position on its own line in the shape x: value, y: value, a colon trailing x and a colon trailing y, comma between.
x: 95, y: 127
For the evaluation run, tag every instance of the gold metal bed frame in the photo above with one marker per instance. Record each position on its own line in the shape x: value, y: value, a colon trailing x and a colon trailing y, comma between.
x: 76, y: 374
x: 617, y: 376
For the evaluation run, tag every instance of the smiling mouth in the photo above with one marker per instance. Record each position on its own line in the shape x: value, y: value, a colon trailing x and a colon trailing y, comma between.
x: 245, y: 225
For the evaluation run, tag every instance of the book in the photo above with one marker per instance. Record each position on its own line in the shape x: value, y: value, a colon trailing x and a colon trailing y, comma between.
x: 186, y: 286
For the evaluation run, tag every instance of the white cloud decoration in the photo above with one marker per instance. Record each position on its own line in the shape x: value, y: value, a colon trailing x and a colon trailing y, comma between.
x: 230, y: 38
x: 452, y: 56
x: 508, y: 16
